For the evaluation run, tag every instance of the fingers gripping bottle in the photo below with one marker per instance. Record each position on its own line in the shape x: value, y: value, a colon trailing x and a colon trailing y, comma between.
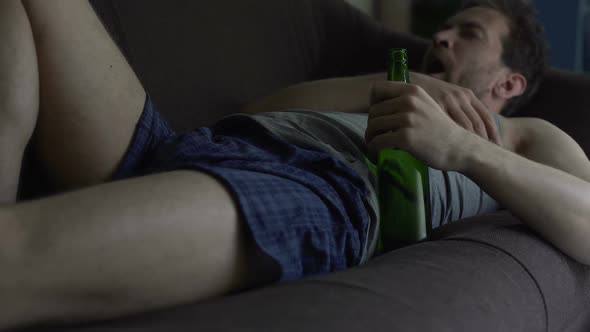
x: 403, y: 186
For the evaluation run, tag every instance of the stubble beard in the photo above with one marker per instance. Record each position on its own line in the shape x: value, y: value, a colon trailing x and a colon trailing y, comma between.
x: 478, y: 80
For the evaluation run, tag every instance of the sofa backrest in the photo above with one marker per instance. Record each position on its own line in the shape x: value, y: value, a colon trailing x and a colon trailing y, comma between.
x: 202, y: 60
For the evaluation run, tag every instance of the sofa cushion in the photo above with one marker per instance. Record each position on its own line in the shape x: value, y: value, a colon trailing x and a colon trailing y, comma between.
x: 562, y: 282
x: 484, y: 274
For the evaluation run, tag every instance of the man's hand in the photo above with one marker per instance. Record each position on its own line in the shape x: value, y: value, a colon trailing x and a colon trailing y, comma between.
x: 403, y: 116
x: 461, y: 105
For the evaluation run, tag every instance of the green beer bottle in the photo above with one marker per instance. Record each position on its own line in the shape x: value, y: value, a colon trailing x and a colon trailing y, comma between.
x: 403, y: 188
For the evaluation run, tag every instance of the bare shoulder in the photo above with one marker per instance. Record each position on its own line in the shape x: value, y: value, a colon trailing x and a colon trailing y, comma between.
x: 545, y: 143
x: 519, y: 132
x: 511, y: 133
x: 524, y: 133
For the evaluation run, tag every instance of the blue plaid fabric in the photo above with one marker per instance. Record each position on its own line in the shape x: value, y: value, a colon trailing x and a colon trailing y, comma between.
x: 303, y: 208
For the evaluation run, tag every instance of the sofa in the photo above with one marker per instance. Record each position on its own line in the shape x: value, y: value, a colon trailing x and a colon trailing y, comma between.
x: 202, y: 60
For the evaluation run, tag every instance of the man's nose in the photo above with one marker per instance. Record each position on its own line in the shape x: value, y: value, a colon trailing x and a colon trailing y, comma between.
x: 443, y: 39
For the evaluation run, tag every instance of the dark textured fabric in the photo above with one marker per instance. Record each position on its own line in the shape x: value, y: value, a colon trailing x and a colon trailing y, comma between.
x: 199, y: 68
x: 304, y: 209
x: 150, y: 131
x: 563, y: 283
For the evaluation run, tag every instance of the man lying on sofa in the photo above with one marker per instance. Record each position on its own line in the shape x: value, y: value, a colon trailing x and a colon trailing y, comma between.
x: 258, y: 197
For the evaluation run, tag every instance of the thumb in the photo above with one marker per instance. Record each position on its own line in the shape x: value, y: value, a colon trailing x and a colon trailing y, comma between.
x: 389, y: 140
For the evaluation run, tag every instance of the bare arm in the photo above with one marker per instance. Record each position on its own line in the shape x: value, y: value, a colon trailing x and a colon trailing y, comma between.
x: 346, y: 94
x: 545, y: 183
x: 354, y: 94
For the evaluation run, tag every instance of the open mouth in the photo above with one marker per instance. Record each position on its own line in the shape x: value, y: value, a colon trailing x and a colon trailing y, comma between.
x: 436, y: 68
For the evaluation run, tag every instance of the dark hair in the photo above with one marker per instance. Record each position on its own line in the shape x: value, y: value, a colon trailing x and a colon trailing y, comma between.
x: 525, y: 49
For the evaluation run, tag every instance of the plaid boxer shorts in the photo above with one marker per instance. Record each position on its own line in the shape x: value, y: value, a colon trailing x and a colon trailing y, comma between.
x: 303, y: 208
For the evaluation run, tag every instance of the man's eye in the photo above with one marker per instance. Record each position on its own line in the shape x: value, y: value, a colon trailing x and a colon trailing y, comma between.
x: 470, y: 34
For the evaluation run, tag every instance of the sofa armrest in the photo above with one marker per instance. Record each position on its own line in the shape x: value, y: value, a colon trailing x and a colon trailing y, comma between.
x: 486, y: 274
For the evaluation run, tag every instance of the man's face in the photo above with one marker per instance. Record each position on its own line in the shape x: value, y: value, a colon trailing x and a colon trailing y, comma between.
x: 467, y: 50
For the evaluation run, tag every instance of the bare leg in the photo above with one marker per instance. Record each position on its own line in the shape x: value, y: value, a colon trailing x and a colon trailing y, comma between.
x: 125, y: 247
x: 90, y: 97
x: 115, y: 248
x: 19, y: 94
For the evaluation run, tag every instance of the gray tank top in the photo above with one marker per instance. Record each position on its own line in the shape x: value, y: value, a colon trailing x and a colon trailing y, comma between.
x: 453, y: 196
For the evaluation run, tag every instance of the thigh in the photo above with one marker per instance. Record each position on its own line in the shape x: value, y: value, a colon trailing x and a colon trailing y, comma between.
x: 90, y: 97
x: 129, y: 246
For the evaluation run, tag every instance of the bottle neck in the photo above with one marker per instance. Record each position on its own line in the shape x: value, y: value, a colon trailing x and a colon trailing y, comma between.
x: 398, y: 71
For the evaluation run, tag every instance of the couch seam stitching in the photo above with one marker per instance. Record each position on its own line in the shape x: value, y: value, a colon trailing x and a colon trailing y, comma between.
x: 519, y: 263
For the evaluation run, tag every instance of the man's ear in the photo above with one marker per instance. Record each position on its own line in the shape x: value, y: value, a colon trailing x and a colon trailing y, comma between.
x: 512, y: 85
